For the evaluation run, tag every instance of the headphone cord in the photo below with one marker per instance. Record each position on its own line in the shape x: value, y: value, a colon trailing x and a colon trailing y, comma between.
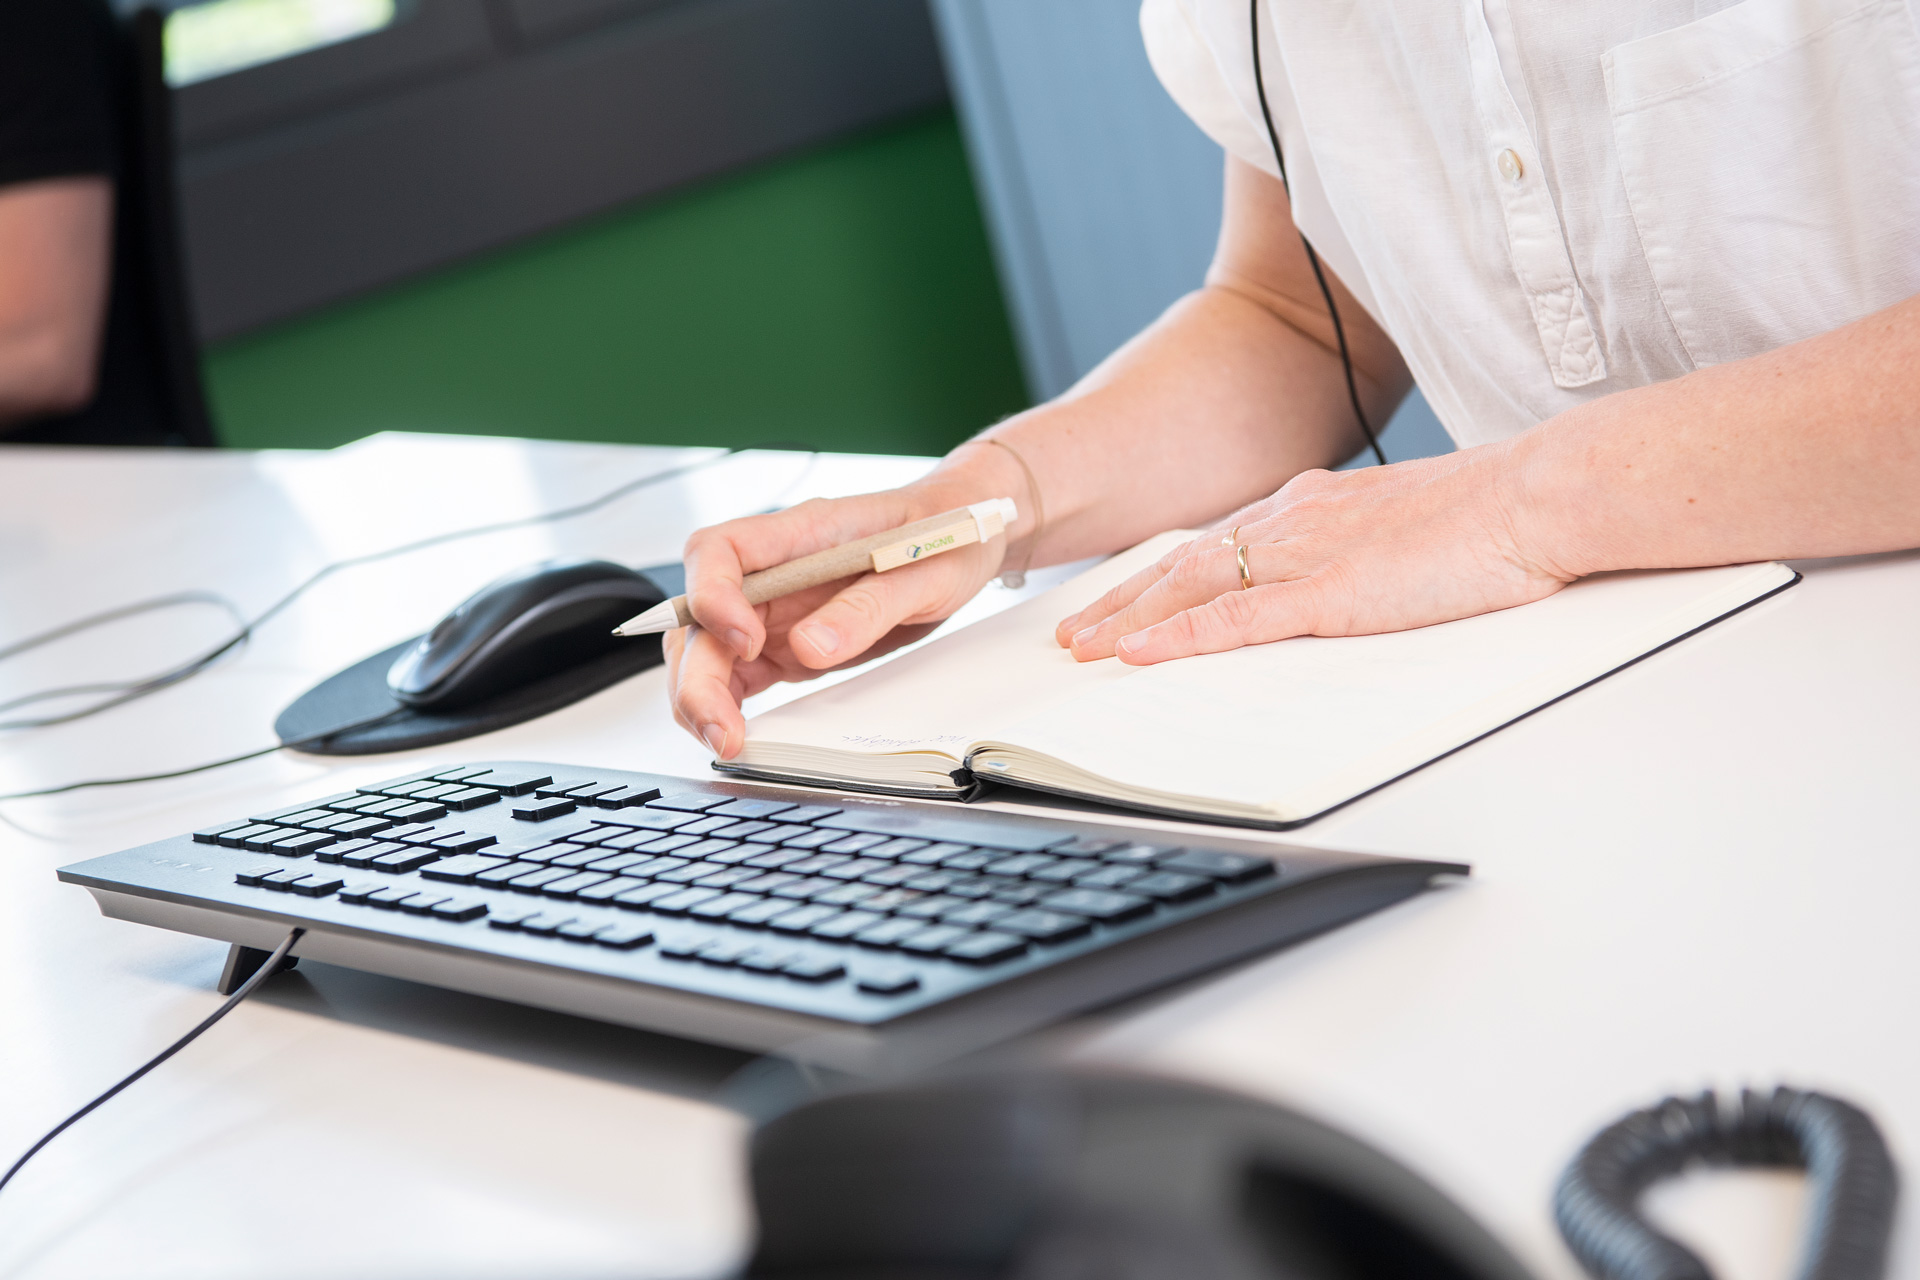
x: 246, y: 989
x: 1313, y: 259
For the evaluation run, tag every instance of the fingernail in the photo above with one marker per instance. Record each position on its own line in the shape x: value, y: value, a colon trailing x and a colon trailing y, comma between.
x: 823, y: 640
x: 738, y: 642
x: 714, y: 736
x: 1082, y: 637
x: 1128, y: 644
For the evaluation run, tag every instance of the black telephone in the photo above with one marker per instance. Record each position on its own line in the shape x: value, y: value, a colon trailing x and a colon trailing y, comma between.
x: 1091, y: 1175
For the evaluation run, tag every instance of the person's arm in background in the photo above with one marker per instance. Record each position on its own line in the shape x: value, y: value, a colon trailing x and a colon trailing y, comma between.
x: 1235, y: 390
x: 56, y: 243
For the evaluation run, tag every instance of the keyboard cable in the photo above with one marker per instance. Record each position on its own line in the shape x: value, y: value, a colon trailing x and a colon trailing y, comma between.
x: 246, y: 989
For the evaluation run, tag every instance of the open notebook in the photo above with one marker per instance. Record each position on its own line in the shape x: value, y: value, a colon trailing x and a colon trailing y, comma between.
x: 1271, y: 735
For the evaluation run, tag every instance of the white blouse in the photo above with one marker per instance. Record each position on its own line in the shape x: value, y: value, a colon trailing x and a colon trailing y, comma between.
x: 1544, y: 201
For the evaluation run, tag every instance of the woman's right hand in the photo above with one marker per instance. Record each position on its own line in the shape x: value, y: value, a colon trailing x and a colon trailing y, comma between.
x: 736, y: 649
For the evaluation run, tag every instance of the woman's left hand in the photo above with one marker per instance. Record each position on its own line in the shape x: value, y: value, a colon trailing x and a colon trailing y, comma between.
x: 1335, y: 554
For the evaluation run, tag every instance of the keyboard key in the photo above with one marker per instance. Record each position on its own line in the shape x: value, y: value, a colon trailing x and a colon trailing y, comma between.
x: 896, y: 848
x: 545, y: 924
x: 1109, y: 876
x: 688, y: 802
x: 1084, y: 846
x: 721, y: 953
x: 688, y: 872
x: 807, y: 813
x: 678, y: 904
x: 804, y: 887
x: 932, y: 881
x: 580, y: 792
x: 418, y: 811
x: 617, y: 862
x: 886, y: 982
x: 391, y: 897
x: 573, y: 884
x: 1043, y: 926
x: 737, y: 854
x: 548, y: 852
x: 812, y: 839
x: 578, y: 930
x: 887, y: 932
x: 413, y: 832
x: 972, y: 887
x: 685, y: 947
x: 683, y: 845
x: 741, y: 830
x: 533, y: 881
x: 768, y: 882
x: 656, y: 866
x: 843, y: 926
x: 333, y: 822
x: 542, y: 810
x: 893, y: 874
x: 976, y: 915
x: 583, y: 856
x: 338, y: 850
x: 465, y: 841
x: 467, y: 798
x: 404, y: 859
x: 1138, y: 855
x: 608, y: 889
x: 1171, y: 886
x: 705, y: 826
x: 813, y: 968
x: 753, y: 808
x: 305, y: 842
x: 892, y: 899
x: 845, y: 895
x: 759, y: 911
x: 854, y: 843
x: 927, y: 855
x: 780, y: 831
x: 508, y: 917
x: 360, y: 890
x: 386, y: 805
x: 816, y: 863
x: 657, y: 819
x: 932, y: 940
x: 365, y: 858
x: 257, y: 839
x: 643, y: 897
x: 1103, y: 905
x: 362, y: 824
x: 725, y: 877
x: 776, y: 858
x: 318, y: 884
x: 856, y: 869
x: 508, y: 781
x: 413, y: 788
x: 629, y: 840
x: 969, y: 859
x: 624, y: 797
x: 1019, y: 865
x: 210, y: 835
x: 765, y: 959
x: 252, y: 876
x: 801, y: 919
x: 460, y: 910
x: 1234, y: 868
x: 1019, y: 893
x: 423, y: 902
x: 497, y: 876
x: 297, y: 817
x: 987, y: 948
x: 1063, y: 871
x: 931, y: 907
x: 623, y: 935
x: 723, y: 906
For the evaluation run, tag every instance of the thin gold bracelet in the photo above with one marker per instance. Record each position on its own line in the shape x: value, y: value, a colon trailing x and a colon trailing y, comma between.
x: 1016, y: 578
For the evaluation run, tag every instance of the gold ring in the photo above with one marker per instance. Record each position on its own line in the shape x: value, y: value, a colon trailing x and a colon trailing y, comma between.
x: 1246, y: 578
x: 1231, y: 535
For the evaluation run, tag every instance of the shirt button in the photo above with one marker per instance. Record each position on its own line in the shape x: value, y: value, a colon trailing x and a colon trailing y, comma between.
x: 1508, y: 162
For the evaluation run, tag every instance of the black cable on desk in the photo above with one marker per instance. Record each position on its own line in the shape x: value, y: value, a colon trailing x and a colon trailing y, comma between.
x: 264, y: 972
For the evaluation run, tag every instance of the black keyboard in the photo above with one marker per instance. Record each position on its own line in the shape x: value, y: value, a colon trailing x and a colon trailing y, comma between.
x: 846, y: 930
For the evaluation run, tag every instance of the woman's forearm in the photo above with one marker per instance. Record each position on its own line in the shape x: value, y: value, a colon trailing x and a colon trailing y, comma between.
x: 1217, y: 404
x: 1812, y: 449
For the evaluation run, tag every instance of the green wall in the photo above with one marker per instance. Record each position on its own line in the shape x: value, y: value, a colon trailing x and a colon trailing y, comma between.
x: 843, y: 299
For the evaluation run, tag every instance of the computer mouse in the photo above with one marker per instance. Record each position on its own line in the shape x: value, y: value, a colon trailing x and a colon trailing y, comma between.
x: 531, y: 623
x: 1068, y: 1174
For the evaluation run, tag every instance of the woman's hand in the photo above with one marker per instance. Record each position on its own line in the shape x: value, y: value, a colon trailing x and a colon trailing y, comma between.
x: 1333, y: 554
x: 736, y: 649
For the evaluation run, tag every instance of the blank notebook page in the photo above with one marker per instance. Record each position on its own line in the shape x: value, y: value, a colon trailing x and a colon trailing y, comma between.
x: 1301, y: 725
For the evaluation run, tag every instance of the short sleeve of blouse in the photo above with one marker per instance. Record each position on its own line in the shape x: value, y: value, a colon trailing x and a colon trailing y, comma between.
x: 1190, y: 72
x: 56, y: 112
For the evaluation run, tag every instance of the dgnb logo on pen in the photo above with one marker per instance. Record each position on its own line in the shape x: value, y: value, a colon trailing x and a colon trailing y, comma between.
x: 916, y: 549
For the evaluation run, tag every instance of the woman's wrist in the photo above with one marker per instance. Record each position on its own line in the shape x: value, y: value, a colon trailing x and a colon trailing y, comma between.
x: 1558, y: 500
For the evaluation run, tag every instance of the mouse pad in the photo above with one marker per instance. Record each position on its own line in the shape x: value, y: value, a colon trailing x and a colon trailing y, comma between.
x: 360, y: 693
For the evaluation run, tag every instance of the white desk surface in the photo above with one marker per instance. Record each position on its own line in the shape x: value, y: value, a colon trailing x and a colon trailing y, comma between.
x: 1701, y: 871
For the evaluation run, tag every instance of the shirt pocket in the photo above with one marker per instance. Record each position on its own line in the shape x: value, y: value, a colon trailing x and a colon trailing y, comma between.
x: 1771, y: 159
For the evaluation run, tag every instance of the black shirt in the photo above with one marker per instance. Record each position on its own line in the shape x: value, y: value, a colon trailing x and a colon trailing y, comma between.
x: 61, y: 70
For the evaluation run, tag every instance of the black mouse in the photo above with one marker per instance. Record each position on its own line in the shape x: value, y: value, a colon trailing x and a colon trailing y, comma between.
x: 533, y: 622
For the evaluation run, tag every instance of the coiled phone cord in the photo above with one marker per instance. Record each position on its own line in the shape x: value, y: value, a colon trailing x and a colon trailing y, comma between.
x: 1852, y: 1183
